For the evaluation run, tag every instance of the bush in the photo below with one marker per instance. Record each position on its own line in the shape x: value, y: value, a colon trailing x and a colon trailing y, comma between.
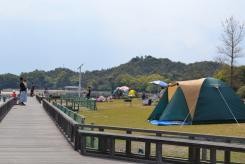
x: 241, y: 92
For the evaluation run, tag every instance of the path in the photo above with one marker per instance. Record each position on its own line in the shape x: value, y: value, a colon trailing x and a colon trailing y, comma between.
x: 29, y: 136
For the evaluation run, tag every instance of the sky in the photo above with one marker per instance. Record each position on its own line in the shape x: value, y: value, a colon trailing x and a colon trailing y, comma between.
x: 46, y: 34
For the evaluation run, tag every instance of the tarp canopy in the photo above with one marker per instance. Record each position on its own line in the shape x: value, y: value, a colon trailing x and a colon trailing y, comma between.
x: 206, y: 100
x: 123, y: 88
x: 160, y: 83
x: 121, y: 91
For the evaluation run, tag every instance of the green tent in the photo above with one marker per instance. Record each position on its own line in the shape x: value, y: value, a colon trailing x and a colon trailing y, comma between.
x: 206, y: 100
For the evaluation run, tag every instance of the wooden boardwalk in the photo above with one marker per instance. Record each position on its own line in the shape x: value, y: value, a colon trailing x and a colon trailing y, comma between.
x: 29, y: 136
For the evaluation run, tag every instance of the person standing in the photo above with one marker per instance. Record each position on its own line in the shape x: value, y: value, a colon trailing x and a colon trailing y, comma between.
x: 143, y: 97
x: 23, y: 92
x: 89, y: 93
x: 26, y: 92
x: 32, y: 90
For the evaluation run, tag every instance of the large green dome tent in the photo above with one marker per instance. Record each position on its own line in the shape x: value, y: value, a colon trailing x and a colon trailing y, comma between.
x: 206, y: 100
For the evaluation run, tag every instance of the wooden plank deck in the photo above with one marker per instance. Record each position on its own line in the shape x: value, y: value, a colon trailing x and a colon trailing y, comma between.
x: 28, y: 136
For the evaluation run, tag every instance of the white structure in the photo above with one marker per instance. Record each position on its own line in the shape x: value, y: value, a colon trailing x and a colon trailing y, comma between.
x: 80, y: 78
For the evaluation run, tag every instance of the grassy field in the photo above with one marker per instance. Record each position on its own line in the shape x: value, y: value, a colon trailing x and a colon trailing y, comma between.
x: 124, y: 114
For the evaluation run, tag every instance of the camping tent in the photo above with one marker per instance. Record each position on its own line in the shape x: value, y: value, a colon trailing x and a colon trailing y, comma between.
x: 132, y: 93
x: 206, y: 100
x: 120, y: 91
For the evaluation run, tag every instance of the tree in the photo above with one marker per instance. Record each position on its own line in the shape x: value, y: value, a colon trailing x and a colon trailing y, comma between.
x: 231, y: 39
x: 241, y: 92
x: 238, y: 74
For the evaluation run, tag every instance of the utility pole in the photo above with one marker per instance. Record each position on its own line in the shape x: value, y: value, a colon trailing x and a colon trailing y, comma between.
x: 80, y: 79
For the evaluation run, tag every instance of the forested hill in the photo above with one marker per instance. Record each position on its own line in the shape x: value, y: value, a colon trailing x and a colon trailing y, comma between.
x: 136, y: 74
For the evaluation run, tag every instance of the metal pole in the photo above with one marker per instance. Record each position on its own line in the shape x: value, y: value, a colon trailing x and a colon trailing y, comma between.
x: 80, y: 78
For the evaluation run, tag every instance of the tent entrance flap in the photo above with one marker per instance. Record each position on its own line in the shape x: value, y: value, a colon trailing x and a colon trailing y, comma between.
x: 191, y: 90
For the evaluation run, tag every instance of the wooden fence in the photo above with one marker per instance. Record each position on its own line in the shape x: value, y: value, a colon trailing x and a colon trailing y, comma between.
x: 154, y: 142
x: 5, y: 107
x: 74, y: 115
x: 74, y: 103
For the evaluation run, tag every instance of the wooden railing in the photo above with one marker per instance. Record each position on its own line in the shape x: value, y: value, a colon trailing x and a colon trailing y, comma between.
x: 74, y: 103
x: 165, y: 133
x: 107, y: 147
x: 39, y: 98
x: 74, y: 115
x: 107, y: 138
x: 67, y: 125
x: 5, y: 107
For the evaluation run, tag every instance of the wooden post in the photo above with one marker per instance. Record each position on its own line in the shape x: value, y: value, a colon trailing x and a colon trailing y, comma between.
x: 77, y: 140
x: 213, y: 155
x: 191, y: 151
x: 102, y: 142
x: 128, y: 144
x: 147, y: 150
x: 111, y: 145
x: 197, y: 155
x: 92, y: 138
x: 159, y: 152
x: 227, y: 157
x: 82, y: 144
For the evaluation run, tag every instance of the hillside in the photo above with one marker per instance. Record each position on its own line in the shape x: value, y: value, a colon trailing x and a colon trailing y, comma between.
x: 136, y: 73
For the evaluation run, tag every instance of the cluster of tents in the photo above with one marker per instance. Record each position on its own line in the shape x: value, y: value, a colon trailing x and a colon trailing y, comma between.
x: 124, y: 91
x: 206, y: 100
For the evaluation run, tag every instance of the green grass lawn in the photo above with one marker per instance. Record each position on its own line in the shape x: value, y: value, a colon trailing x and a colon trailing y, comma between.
x: 124, y: 114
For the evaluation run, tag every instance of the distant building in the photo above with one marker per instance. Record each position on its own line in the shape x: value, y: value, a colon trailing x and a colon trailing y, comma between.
x: 71, y: 88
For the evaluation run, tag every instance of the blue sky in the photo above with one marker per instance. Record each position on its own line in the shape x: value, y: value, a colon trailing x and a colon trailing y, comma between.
x: 45, y: 34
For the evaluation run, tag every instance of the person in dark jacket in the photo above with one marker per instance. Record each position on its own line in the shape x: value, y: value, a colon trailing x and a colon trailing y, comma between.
x: 32, y: 90
x: 89, y: 93
x: 23, y: 92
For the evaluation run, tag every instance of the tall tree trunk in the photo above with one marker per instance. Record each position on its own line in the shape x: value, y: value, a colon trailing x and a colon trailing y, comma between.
x: 231, y: 75
x: 232, y: 58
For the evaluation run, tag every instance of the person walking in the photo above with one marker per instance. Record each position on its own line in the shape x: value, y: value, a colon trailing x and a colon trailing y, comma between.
x: 23, y: 92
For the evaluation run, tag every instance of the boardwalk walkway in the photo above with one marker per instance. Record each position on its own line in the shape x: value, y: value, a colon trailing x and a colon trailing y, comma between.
x: 29, y: 136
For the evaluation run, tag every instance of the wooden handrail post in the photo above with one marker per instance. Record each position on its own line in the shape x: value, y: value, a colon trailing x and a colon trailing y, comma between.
x: 77, y: 139
x: 147, y: 150
x: 227, y: 157
x: 102, y: 142
x: 92, y: 138
x: 191, y: 153
x: 213, y: 155
x: 159, y: 152
x: 82, y: 144
x: 111, y: 145
x: 197, y: 155
x: 128, y: 144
